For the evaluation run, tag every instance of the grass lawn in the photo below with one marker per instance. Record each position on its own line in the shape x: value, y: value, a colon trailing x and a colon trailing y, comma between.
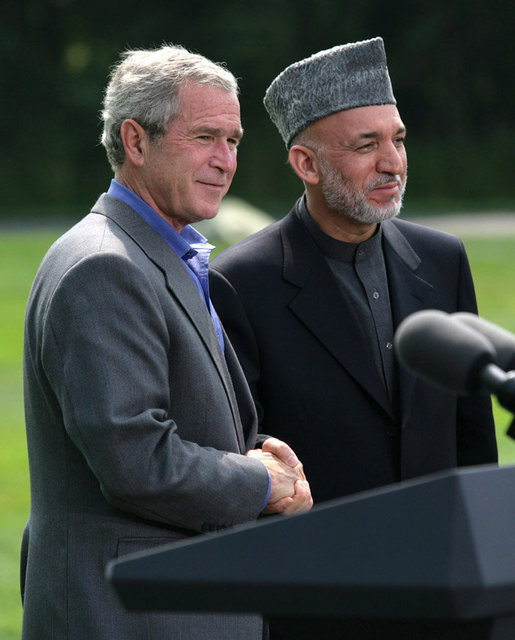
x: 20, y: 254
x: 492, y: 260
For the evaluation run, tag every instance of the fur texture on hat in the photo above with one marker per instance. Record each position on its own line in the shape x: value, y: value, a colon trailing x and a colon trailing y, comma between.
x: 344, y: 77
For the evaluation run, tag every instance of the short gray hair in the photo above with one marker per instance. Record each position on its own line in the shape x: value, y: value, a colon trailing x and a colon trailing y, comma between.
x: 144, y: 86
x: 308, y: 139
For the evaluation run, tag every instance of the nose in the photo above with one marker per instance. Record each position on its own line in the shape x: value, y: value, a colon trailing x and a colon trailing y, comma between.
x: 392, y: 159
x: 224, y: 156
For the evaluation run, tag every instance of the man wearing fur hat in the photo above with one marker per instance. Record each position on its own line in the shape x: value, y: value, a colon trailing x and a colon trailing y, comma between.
x: 312, y: 302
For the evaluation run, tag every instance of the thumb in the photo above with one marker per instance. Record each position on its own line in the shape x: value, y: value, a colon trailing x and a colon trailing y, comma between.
x: 280, y: 449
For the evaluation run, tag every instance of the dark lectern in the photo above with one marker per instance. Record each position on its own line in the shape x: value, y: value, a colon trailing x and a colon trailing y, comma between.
x: 428, y: 558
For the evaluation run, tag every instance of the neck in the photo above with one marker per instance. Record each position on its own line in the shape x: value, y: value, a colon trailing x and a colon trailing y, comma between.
x: 130, y: 181
x: 335, y: 224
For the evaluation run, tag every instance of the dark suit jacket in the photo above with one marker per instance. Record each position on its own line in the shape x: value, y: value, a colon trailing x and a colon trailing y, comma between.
x: 135, y: 426
x: 311, y: 369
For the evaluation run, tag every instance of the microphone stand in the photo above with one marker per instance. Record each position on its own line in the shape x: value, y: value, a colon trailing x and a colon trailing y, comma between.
x: 501, y: 384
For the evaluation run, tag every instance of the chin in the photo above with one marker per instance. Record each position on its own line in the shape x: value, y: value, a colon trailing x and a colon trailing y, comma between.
x: 375, y: 215
x: 209, y: 215
x: 206, y: 212
x: 387, y: 212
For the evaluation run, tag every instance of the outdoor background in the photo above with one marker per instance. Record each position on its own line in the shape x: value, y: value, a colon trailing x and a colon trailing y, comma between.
x: 451, y: 65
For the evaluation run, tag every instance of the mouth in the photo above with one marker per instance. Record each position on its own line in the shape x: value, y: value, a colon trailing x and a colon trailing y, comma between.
x: 391, y: 188
x: 386, y: 190
x: 212, y: 183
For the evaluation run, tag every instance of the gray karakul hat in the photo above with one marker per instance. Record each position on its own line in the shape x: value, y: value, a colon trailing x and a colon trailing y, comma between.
x: 344, y: 77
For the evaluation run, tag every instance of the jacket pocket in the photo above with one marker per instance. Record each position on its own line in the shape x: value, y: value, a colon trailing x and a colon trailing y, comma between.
x: 128, y: 545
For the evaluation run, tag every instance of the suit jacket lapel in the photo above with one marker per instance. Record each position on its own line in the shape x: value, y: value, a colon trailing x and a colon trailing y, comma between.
x: 179, y: 284
x: 408, y: 293
x: 319, y: 305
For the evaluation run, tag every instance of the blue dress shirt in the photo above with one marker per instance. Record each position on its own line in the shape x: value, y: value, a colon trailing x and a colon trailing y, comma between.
x: 189, y: 245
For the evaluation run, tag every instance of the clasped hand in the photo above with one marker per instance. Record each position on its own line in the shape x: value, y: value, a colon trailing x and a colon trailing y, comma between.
x: 290, y: 492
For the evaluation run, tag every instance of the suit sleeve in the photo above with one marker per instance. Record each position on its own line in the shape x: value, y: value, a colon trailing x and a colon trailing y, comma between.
x: 106, y: 353
x: 475, y: 429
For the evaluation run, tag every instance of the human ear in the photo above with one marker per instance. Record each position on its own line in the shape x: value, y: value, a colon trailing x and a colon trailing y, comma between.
x: 304, y: 162
x: 134, y: 139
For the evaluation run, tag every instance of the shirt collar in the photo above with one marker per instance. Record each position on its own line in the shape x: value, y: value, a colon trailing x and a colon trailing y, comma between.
x: 184, y: 244
x: 338, y: 249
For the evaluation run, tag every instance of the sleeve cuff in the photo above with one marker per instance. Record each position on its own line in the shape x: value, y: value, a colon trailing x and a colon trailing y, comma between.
x: 269, y: 490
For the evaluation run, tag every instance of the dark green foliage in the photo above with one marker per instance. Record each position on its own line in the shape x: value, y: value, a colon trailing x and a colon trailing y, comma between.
x: 451, y: 64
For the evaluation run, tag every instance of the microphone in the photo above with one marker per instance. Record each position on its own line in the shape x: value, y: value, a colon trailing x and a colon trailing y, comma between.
x: 504, y: 344
x: 503, y: 341
x: 435, y: 347
x: 449, y: 354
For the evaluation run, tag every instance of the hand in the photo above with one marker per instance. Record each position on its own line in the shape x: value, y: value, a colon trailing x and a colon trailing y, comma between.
x: 289, y: 493
x: 300, y: 502
x: 284, y: 452
x: 283, y: 475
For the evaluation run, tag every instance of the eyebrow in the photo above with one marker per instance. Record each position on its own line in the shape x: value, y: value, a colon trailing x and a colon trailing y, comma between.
x: 377, y: 134
x: 216, y: 132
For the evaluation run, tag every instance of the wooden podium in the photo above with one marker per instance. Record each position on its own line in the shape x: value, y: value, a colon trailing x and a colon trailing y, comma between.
x: 430, y: 558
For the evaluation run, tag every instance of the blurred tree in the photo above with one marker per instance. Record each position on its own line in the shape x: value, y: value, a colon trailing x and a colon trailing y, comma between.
x: 451, y: 65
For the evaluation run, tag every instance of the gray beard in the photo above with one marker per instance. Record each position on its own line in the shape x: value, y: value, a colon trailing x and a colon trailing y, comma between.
x: 342, y: 197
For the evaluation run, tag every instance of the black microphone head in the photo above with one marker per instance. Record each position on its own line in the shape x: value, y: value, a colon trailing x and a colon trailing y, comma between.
x: 439, y: 349
x: 502, y: 340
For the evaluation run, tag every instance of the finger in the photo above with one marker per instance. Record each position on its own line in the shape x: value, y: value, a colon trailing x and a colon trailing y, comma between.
x: 300, y: 469
x: 278, y: 506
x: 302, y: 500
x: 280, y: 449
x: 299, y: 503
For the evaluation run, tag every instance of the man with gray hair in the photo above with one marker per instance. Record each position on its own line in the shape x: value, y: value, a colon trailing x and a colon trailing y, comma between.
x: 141, y: 429
x: 311, y: 303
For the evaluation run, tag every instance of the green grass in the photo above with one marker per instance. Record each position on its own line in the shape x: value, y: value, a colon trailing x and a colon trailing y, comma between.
x: 492, y: 261
x: 20, y: 254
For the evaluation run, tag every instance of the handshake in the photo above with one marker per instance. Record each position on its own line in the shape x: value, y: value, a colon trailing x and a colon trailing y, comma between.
x: 290, y: 492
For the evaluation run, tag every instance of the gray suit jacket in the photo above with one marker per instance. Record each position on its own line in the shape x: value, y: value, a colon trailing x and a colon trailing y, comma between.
x: 135, y: 429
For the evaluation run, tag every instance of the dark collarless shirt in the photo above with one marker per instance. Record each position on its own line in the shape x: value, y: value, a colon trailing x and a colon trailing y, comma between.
x: 360, y: 272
